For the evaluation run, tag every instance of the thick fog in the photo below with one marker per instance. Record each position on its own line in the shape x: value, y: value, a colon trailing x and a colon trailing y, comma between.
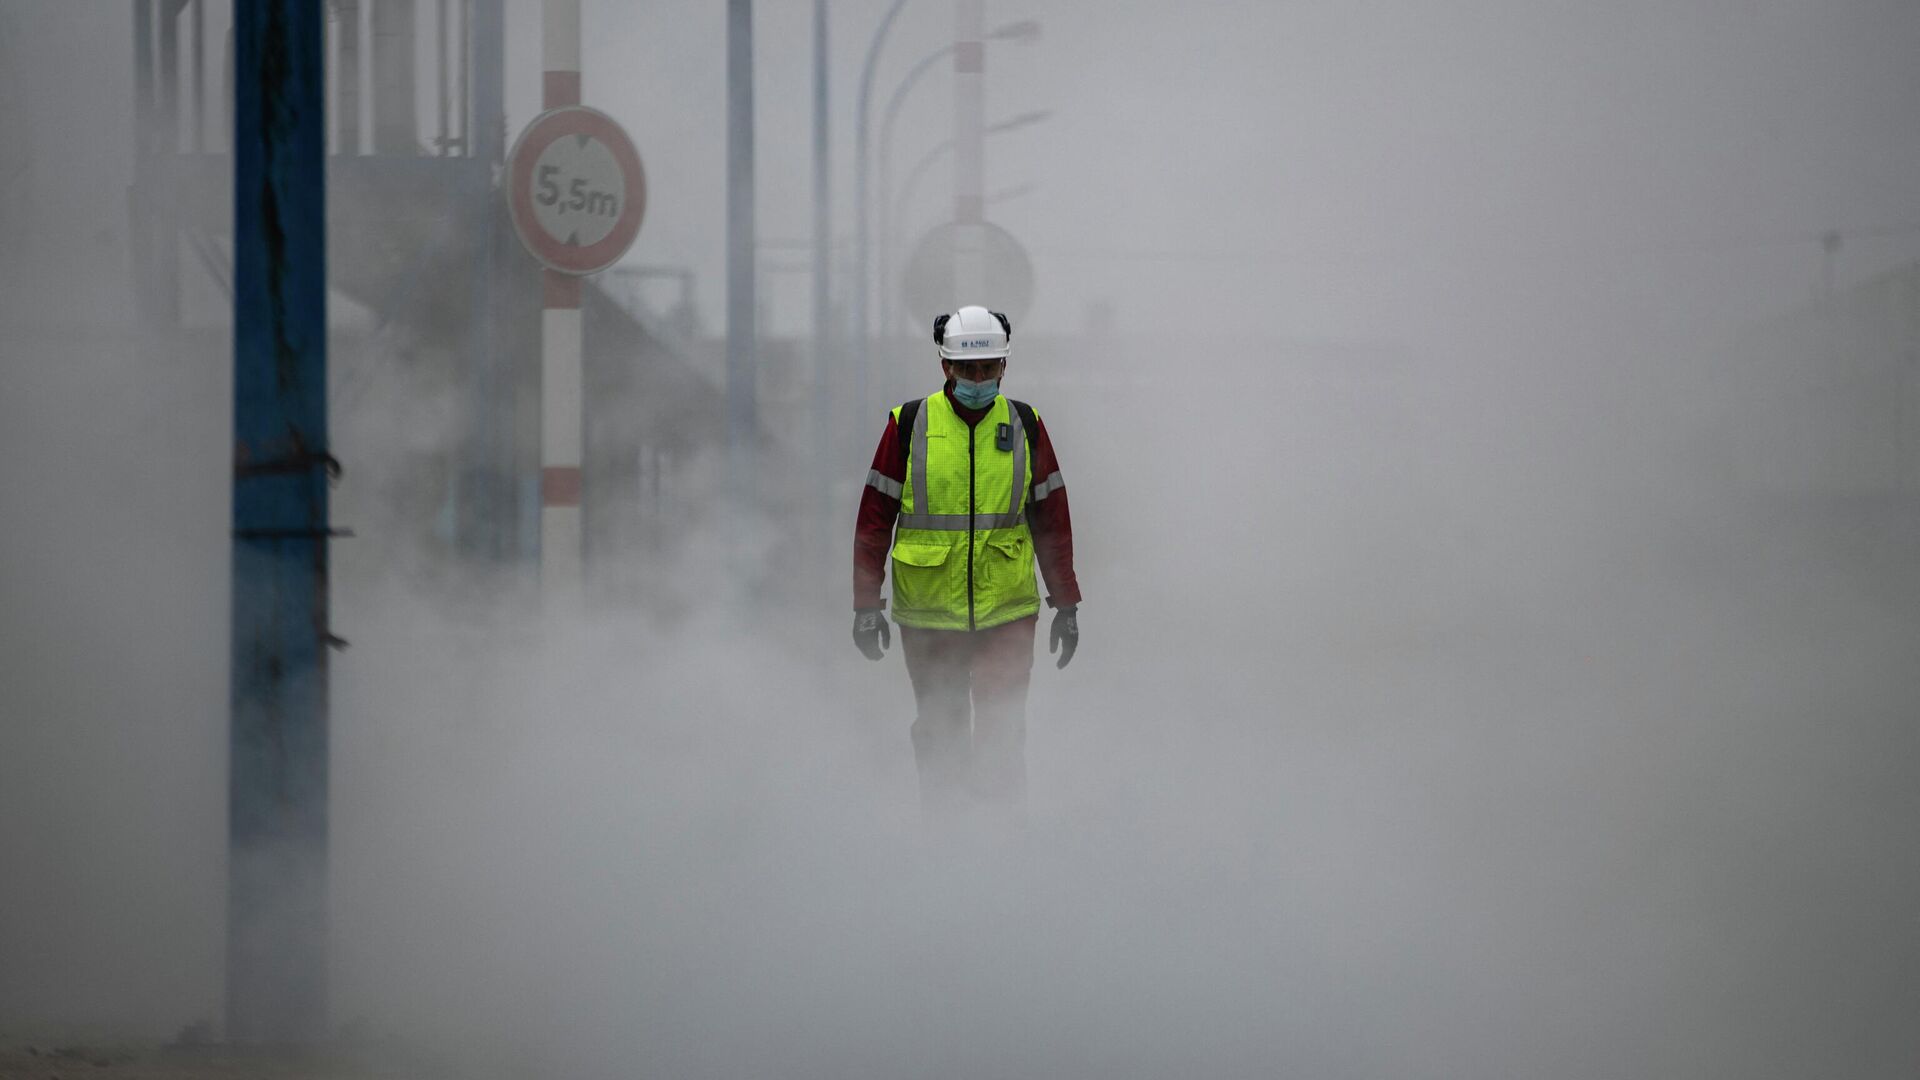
x: 1493, y: 437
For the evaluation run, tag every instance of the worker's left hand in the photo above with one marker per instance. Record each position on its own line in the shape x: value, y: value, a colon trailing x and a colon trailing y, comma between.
x: 1066, y: 631
x: 870, y: 633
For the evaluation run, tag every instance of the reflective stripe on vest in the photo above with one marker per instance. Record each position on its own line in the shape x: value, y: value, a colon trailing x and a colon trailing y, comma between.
x: 953, y: 569
x: 909, y: 519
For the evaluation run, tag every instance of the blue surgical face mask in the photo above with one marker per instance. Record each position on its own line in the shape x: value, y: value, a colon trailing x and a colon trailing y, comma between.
x: 976, y: 395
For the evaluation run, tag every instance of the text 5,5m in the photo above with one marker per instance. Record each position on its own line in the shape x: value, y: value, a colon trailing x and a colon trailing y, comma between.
x: 576, y: 198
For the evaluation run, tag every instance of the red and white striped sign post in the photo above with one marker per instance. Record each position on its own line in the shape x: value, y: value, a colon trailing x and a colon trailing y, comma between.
x: 577, y: 193
x: 969, y: 151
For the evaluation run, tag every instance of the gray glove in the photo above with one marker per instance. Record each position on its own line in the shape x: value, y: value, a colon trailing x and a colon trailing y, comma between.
x: 1066, y: 631
x: 870, y: 633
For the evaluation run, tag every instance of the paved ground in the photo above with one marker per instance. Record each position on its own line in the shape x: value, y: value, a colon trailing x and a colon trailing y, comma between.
x: 134, y: 1061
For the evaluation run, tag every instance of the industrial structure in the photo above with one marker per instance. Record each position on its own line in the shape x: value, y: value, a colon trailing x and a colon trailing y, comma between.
x: 304, y: 179
x: 418, y: 235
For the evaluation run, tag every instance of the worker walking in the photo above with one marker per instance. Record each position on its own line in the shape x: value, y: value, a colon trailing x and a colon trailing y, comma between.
x: 964, y: 494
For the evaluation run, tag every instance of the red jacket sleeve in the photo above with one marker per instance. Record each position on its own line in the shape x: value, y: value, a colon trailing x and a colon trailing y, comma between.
x: 873, y: 530
x: 1051, y: 524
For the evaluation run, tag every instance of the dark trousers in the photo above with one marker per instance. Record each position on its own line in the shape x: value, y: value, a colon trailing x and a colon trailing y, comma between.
x: 970, y: 737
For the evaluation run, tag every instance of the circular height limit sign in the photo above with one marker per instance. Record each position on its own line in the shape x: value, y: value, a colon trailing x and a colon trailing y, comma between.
x: 576, y: 189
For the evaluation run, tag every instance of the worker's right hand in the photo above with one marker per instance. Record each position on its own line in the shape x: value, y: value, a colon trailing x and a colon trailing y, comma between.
x: 870, y: 633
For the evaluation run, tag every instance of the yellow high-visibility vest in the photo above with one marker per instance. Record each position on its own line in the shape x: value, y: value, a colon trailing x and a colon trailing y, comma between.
x: 962, y: 552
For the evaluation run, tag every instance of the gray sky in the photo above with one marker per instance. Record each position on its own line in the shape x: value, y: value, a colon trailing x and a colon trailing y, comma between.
x: 1315, y: 165
x: 1247, y: 165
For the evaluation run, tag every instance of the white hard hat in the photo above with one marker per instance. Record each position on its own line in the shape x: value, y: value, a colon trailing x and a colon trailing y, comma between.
x: 973, y: 333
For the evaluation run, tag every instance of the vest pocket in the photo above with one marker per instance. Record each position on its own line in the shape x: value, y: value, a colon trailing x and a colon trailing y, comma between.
x: 1008, y: 567
x: 921, y: 554
x: 1011, y: 546
x: 921, y: 584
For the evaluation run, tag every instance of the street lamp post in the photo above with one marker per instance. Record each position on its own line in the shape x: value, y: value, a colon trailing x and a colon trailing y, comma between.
x: 822, y: 285
x: 1022, y: 32
x: 861, y: 286
x: 927, y: 160
x: 885, y: 252
x: 969, y: 145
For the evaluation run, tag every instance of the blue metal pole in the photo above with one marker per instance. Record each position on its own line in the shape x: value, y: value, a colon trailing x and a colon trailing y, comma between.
x: 277, y: 784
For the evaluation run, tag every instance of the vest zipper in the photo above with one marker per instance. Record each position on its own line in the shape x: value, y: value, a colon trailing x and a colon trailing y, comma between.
x: 972, y: 430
